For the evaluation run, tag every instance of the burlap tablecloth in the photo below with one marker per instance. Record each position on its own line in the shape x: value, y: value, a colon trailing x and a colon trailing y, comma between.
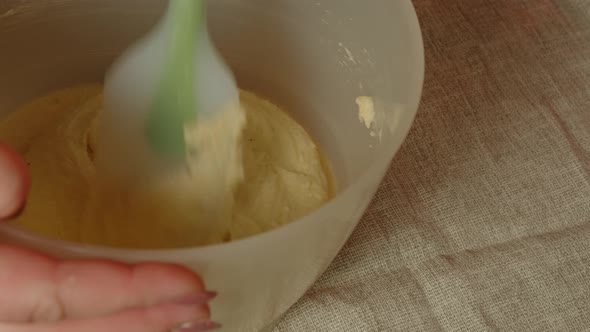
x: 483, y: 221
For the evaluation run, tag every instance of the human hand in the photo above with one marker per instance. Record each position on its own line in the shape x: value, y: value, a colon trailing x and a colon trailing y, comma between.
x: 39, y: 293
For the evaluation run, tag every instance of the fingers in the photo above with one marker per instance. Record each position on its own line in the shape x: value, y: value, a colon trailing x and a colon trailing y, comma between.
x: 14, y: 182
x: 162, y: 318
x: 88, y: 288
x: 38, y: 288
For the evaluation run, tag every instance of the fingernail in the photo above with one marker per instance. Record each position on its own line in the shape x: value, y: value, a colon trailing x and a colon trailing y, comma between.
x: 200, y: 326
x: 15, y: 214
x: 196, y: 299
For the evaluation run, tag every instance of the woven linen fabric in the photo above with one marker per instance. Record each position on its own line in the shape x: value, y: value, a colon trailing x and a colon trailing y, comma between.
x: 483, y: 221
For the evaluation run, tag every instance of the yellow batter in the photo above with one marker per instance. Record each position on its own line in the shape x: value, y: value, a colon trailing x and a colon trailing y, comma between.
x: 284, y: 179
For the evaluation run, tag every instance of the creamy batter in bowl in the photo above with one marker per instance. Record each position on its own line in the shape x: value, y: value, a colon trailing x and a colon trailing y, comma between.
x: 279, y: 172
x: 314, y: 58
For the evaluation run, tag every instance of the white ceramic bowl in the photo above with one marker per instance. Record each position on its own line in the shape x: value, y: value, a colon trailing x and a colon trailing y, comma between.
x: 314, y: 57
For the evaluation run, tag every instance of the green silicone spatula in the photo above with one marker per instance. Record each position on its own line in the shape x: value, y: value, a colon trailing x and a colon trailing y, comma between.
x: 171, y: 77
x: 174, y: 101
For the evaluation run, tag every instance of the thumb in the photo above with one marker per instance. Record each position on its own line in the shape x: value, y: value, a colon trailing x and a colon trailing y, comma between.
x: 14, y: 182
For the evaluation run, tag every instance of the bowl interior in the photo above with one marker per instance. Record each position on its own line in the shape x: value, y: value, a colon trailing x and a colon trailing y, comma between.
x: 314, y: 58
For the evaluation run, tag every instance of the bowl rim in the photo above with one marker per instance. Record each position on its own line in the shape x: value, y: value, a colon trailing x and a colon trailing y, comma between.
x: 172, y: 254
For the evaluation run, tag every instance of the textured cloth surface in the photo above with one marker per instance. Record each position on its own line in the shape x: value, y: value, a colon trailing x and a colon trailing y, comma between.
x: 483, y: 221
